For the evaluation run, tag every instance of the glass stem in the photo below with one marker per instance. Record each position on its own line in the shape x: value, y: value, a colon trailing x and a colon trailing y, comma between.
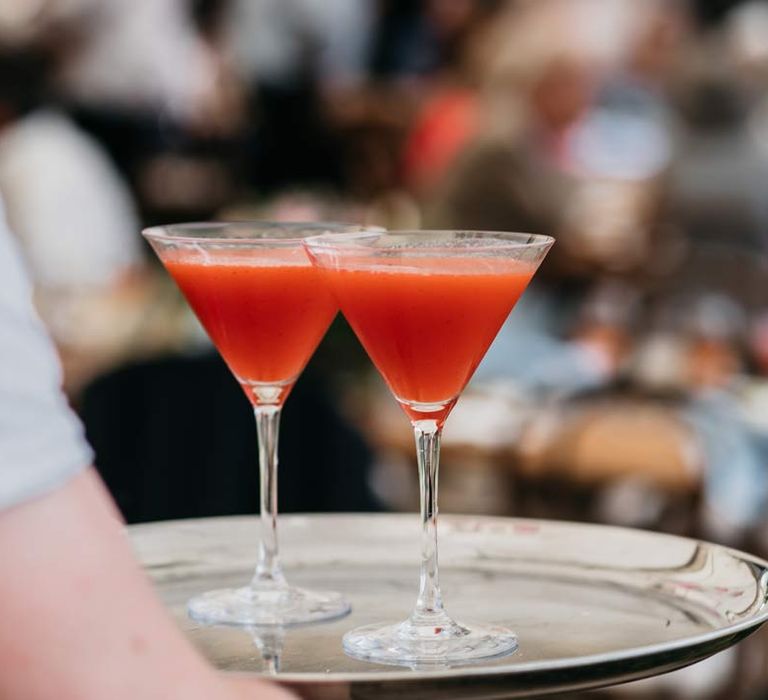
x: 429, y: 604
x: 268, y: 571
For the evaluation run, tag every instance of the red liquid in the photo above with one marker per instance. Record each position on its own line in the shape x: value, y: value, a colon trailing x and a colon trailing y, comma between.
x: 266, y: 314
x: 427, y: 327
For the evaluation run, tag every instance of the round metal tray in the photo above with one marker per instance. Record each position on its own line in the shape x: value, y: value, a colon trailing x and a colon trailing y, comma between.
x: 592, y: 605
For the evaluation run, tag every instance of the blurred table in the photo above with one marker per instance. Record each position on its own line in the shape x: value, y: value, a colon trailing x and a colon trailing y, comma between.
x: 625, y: 460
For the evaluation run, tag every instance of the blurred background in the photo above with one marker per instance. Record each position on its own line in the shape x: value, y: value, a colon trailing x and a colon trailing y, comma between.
x: 629, y: 387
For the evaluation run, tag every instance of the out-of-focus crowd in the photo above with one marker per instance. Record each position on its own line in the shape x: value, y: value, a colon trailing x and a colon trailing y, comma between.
x: 635, y: 133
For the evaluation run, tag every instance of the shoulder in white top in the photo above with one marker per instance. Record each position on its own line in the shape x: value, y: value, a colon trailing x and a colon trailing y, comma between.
x: 41, y: 440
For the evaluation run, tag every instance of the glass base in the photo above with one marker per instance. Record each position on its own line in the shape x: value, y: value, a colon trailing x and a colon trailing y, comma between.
x: 283, y: 605
x: 417, y: 646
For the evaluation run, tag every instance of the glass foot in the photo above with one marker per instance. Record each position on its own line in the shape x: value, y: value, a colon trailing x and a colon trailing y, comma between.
x: 283, y: 605
x: 406, y: 644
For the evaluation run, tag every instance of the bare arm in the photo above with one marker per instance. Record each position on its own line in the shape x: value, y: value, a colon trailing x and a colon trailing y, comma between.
x: 79, y: 619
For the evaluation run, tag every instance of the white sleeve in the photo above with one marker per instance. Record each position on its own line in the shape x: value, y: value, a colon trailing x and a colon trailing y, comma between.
x: 41, y: 440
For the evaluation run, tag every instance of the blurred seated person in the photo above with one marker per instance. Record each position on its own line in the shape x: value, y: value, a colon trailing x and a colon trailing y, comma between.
x: 142, y: 57
x: 558, y: 111
x: 151, y: 82
x: 176, y: 438
x: 514, y: 175
x: 445, y: 87
x: 715, y: 195
x: 74, y: 218
x: 570, y: 146
x: 301, y: 65
x: 271, y: 40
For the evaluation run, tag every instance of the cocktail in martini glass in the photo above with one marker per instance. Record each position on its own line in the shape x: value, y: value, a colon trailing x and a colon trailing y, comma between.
x: 265, y: 308
x: 426, y: 305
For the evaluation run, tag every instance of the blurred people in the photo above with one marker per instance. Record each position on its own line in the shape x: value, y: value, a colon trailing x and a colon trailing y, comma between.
x: 446, y: 116
x: 714, y: 193
x: 73, y: 214
x: 270, y: 41
x: 292, y: 57
x: 143, y: 57
x: 74, y: 217
x: 511, y: 176
x: 150, y: 80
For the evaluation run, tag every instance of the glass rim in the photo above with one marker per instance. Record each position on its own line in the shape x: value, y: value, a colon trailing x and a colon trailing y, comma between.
x: 167, y: 233
x: 504, y: 239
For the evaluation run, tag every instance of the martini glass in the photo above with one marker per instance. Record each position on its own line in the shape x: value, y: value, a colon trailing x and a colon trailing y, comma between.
x: 426, y: 305
x: 265, y: 308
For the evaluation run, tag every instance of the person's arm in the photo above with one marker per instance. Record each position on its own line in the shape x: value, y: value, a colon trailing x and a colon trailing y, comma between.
x: 81, y: 621
x: 78, y: 618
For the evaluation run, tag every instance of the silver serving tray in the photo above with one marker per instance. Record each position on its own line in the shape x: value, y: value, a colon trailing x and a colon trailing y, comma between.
x: 592, y: 605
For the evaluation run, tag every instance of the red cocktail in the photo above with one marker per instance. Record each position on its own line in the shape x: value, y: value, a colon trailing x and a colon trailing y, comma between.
x: 426, y: 305
x: 265, y: 308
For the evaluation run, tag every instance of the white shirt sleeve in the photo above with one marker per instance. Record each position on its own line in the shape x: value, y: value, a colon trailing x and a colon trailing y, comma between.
x: 41, y: 440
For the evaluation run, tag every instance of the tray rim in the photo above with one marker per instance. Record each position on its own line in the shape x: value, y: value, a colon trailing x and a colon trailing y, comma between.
x: 468, y: 672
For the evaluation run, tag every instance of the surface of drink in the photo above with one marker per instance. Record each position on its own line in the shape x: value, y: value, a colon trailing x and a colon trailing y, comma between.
x: 266, y: 312
x: 427, y: 324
